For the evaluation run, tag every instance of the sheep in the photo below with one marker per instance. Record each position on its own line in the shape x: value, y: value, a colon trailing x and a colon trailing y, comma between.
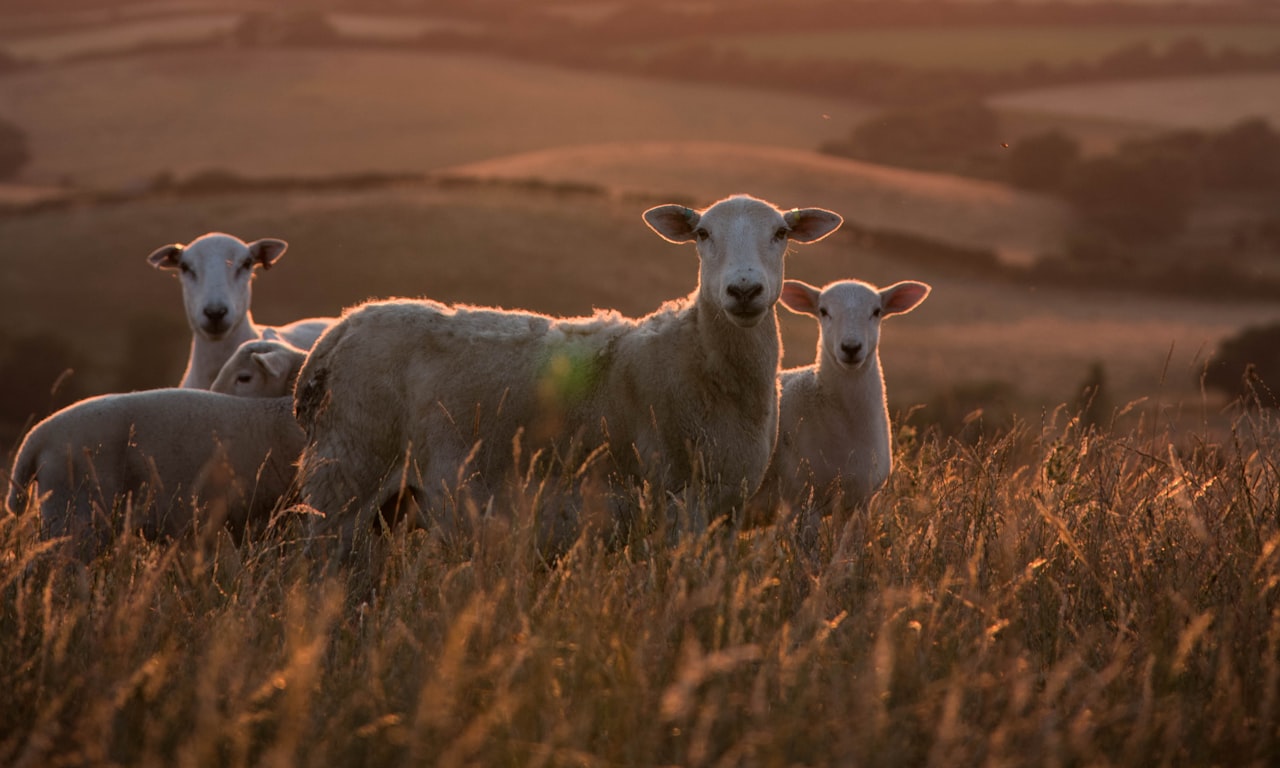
x: 178, y: 459
x: 402, y: 398
x: 260, y: 368
x: 216, y: 271
x: 834, y: 451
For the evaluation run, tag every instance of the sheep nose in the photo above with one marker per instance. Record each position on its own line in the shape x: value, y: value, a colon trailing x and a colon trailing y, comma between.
x: 746, y: 293
x: 850, y: 350
x: 216, y: 313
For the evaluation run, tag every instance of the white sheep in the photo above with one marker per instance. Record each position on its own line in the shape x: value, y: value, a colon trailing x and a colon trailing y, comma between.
x: 216, y: 271
x: 834, y: 449
x: 260, y: 368
x: 173, y: 457
x: 407, y: 397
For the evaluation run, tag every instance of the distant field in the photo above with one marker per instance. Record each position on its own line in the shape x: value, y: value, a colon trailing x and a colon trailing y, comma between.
x: 1185, y: 102
x: 1019, y: 226
x: 988, y: 48
x: 121, y: 121
x: 109, y: 38
x: 566, y: 254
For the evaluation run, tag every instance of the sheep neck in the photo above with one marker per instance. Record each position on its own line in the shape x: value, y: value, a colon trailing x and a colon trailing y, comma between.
x: 745, y: 357
x: 207, y: 356
x: 857, y: 394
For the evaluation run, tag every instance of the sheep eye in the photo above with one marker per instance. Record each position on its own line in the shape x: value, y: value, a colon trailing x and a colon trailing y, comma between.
x: 875, y: 312
x: 701, y: 234
x: 781, y: 234
x: 822, y: 311
x: 244, y: 378
x: 246, y: 264
x: 185, y: 268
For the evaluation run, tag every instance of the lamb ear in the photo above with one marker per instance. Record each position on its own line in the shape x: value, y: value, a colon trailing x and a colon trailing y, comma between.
x: 267, y: 250
x: 166, y: 256
x: 800, y: 297
x: 903, y: 297
x: 276, y: 363
x: 809, y: 225
x: 675, y: 223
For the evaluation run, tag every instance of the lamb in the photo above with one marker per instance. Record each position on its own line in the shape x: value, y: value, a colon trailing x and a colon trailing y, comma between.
x: 402, y: 399
x: 833, y: 437
x: 185, y: 459
x: 260, y: 368
x: 217, y: 271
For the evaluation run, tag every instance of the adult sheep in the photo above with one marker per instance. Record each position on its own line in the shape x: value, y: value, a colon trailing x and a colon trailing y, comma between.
x: 260, y: 368
x: 216, y: 271
x: 174, y: 458
x: 834, y: 450
x: 406, y: 397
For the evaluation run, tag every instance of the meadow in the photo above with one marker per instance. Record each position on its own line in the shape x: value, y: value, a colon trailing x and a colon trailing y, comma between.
x: 1053, y: 595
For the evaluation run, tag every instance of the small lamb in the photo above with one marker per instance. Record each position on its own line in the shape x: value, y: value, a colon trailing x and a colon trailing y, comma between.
x: 833, y: 435
x: 217, y: 273
x: 401, y: 397
x: 261, y: 368
x: 184, y: 458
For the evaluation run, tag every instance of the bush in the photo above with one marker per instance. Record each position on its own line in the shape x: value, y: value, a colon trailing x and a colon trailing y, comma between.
x: 1248, y: 365
x: 943, y: 134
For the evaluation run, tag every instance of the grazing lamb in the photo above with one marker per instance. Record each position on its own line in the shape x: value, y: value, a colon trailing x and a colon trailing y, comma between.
x: 217, y: 271
x: 833, y: 434
x: 407, y: 397
x: 261, y: 368
x: 182, y: 457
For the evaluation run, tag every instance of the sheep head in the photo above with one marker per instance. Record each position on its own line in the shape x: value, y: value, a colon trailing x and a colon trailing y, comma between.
x: 741, y: 243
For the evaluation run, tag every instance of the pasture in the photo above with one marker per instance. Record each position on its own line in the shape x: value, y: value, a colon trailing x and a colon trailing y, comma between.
x: 315, y: 113
x: 982, y: 47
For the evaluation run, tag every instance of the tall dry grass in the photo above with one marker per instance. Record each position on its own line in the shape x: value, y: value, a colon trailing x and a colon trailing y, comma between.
x: 1051, y: 595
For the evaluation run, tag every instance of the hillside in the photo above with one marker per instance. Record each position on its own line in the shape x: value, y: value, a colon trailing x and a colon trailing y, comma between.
x: 1017, y: 225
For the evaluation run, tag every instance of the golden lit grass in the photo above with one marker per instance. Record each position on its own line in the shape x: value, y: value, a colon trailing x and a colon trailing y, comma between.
x: 118, y: 121
x: 1050, y: 596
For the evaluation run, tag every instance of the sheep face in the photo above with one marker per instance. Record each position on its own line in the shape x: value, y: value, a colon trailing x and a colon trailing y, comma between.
x: 849, y: 313
x: 741, y: 243
x: 216, y: 271
x: 261, y: 368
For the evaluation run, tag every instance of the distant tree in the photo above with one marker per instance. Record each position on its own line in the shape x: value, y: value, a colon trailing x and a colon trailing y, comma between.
x: 1142, y: 196
x: 938, y: 134
x: 1041, y: 162
x: 1244, y: 156
x: 13, y: 149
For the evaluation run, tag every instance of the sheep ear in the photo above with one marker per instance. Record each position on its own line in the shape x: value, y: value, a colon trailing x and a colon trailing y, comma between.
x: 166, y: 256
x: 800, y: 297
x: 276, y: 363
x: 675, y: 223
x: 903, y: 297
x: 267, y: 250
x: 809, y: 225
